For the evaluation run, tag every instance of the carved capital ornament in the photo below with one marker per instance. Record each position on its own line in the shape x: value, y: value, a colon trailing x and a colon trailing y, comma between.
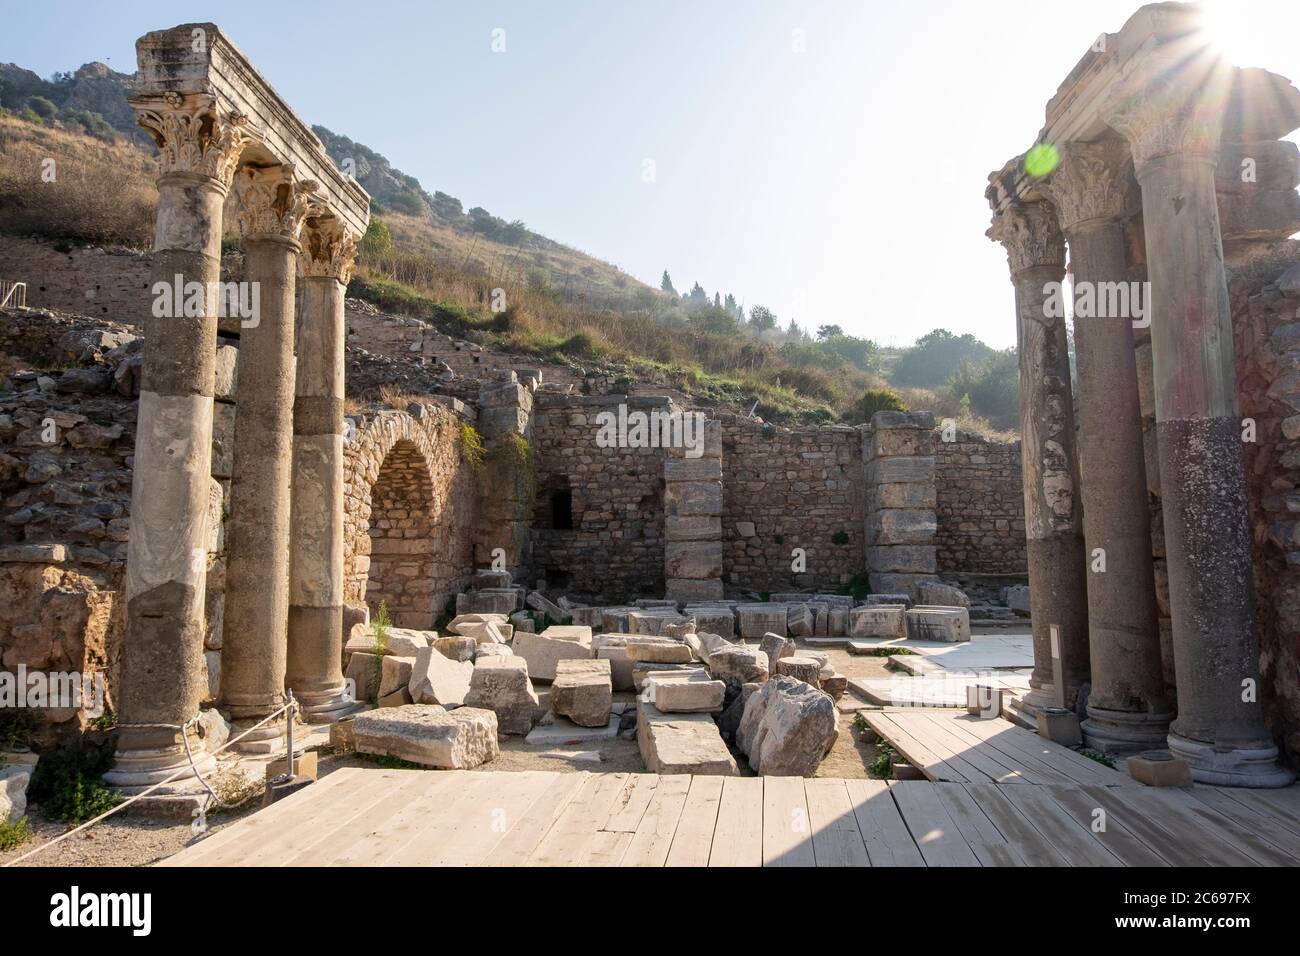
x: 272, y: 203
x: 1088, y: 185
x: 193, y: 135
x: 1170, y: 116
x: 328, y: 249
x: 1032, y: 236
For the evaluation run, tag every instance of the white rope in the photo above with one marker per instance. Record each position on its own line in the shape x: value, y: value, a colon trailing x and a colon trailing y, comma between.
x: 161, y: 783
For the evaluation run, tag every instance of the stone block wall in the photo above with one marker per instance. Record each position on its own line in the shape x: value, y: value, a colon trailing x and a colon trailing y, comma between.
x: 693, y: 515
x: 788, y: 488
x: 85, y: 279
x: 898, y: 465
x: 979, y: 505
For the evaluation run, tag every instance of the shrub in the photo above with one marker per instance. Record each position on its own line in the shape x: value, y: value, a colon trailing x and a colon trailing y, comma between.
x: 17, y: 724
x: 377, y: 242
x: 14, y: 834
x: 472, y: 451
x: 67, y: 786
x: 876, y: 400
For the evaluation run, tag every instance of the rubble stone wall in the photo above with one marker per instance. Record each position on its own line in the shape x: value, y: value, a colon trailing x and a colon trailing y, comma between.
x: 980, y: 505
x: 84, y: 279
x: 788, y: 488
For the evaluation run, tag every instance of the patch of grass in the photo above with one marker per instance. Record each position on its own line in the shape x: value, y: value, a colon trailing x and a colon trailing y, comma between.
x: 17, y: 724
x: 14, y: 834
x: 882, y: 765
x: 887, y: 650
x: 470, y: 442
x: 1105, y: 760
x: 67, y: 786
x: 381, y: 625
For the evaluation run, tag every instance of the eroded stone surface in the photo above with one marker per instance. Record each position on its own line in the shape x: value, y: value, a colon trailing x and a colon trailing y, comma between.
x: 428, y: 734
x: 787, y: 728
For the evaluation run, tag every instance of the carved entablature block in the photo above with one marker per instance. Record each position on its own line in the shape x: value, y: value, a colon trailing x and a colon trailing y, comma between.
x: 271, y: 202
x: 1088, y: 185
x: 193, y: 135
x: 1170, y: 116
x: 1031, y: 234
x: 328, y: 249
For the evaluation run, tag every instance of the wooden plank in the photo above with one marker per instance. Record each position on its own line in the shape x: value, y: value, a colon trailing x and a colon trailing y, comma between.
x: 1175, y: 809
x: 738, y: 836
x: 654, y: 834
x: 883, y: 831
x: 364, y: 835
x: 1034, y: 848
x: 922, y: 725
x: 925, y: 760
x: 835, y: 835
x: 519, y: 842
x: 567, y: 841
x: 996, y: 765
x: 1255, y: 816
x: 631, y: 805
x: 317, y: 793
x: 1131, y: 847
x: 1076, y: 767
x: 935, y: 833
x: 787, y: 834
x: 985, y: 839
x: 463, y: 830
x: 1281, y: 805
x: 1076, y: 841
x: 440, y: 808
x: 694, y: 837
x: 1005, y: 751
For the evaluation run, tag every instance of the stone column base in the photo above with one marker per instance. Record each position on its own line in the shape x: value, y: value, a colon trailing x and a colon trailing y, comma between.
x: 1125, y: 731
x: 327, y: 706
x: 1255, y: 767
x: 267, y: 739
x: 135, y: 771
x: 1038, y: 697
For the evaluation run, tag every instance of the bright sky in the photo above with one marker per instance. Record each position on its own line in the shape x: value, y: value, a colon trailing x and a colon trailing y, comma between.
x: 826, y: 159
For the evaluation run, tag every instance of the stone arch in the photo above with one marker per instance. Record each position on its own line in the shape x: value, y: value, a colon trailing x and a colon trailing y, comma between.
x: 401, y: 530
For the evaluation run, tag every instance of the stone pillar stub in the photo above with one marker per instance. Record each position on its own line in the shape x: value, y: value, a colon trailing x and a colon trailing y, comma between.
x: 900, y: 522
x: 162, y: 680
x: 315, y: 633
x: 1172, y: 121
x: 1127, y: 710
x: 1053, y: 527
x: 693, y: 513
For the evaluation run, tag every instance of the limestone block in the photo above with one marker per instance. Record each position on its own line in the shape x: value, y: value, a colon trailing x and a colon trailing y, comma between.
x: 642, y: 670
x: 910, y: 442
x: 788, y: 728
x: 837, y: 623
x: 759, y: 619
x: 493, y: 650
x: 776, y: 647
x: 685, y: 693
x: 745, y: 529
x: 920, y: 495
x: 679, y: 632
x: 363, y: 671
x: 490, y: 601
x: 950, y: 625
x: 713, y: 619
x: 936, y: 593
x: 466, y: 624
x: 738, y: 665
x: 911, y: 558
x: 540, y: 602
x: 401, y: 641
x: 702, y: 644
x: 799, y: 621
x: 501, y: 685
x: 654, y: 622
x: 901, y: 597
x: 681, y: 743
x: 14, y: 780
x: 693, y: 559
x: 398, y: 698
x: 395, y: 672
x: 614, y: 620
x: 522, y: 621
x: 882, y: 471
x: 657, y: 650
x: 212, y: 659
x: 487, y: 632
x: 582, y: 691
x: 568, y: 632
x: 542, y: 653
x: 428, y: 735
x: 1159, y: 768
x: 886, y: 420
x: 693, y: 498
x: 694, y: 589
x: 490, y: 579
x: 1016, y: 597
x: 620, y: 665
x: 805, y: 669
x: 456, y: 648
x: 835, y: 685
x: 879, y: 620
x: 433, y: 679
x: 900, y: 527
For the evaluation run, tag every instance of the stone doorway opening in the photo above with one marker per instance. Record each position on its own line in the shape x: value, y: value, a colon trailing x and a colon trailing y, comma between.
x: 401, y: 530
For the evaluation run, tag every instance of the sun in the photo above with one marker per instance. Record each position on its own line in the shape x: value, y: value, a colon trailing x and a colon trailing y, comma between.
x: 1252, y: 32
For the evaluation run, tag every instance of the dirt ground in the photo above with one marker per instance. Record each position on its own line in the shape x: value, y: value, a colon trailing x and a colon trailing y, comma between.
x: 132, y: 840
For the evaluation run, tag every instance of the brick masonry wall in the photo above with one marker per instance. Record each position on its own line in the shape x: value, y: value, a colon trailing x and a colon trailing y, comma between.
x: 797, y: 488
x: 980, y: 505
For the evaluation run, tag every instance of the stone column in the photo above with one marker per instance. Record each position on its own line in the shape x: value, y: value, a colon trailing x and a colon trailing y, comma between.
x: 1053, y: 530
x: 1127, y: 707
x: 162, y: 678
x: 1172, y: 118
x: 315, y: 647
x: 254, y: 641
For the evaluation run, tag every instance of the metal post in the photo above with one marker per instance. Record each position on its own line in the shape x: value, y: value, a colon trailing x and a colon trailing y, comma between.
x: 293, y: 706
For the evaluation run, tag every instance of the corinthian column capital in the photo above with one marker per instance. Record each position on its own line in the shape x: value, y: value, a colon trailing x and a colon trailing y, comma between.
x: 328, y: 249
x: 1088, y: 185
x: 193, y: 135
x: 1174, y: 114
x: 271, y: 202
x: 1031, y: 234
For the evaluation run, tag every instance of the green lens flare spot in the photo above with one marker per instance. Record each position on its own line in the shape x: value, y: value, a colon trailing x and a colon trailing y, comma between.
x: 1042, y: 159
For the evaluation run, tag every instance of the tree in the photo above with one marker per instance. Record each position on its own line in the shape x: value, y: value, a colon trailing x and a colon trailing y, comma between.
x: 934, y: 358
x: 991, y: 387
x: 713, y: 320
x: 667, y: 284
x: 377, y: 242
x: 875, y: 400
x: 761, y: 318
x: 825, y: 332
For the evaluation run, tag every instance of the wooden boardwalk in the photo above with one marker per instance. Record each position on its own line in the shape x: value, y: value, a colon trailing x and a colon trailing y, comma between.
x: 374, y: 817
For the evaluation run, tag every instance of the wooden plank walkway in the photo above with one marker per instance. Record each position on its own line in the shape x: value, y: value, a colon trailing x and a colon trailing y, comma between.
x: 374, y: 817
x: 954, y: 747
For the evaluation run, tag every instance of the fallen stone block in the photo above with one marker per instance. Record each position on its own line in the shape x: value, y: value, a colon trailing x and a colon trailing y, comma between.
x: 948, y: 624
x: 363, y: 671
x: 14, y: 780
x: 702, y: 644
x: 490, y: 601
x: 582, y: 691
x: 523, y: 621
x: 776, y: 647
x: 758, y: 619
x: 456, y: 648
x: 488, y: 632
x: 805, y: 669
x: 681, y: 743
x: 738, y: 665
x: 654, y: 622
x: 620, y: 665
x: 788, y: 728
x: 429, y: 735
x: 501, y: 685
x: 879, y: 620
x: 568, y: 632
x: 679, y: 632
x: 397, y: 698
x: 1016, y: 597
x: 585, y: 616
x: 490, y: 579
x: 434, y: 679
x: 689, y: 692
x: 938, y: 594
x: 542, y: 653
x: 395, y: 672
x: 1160, y: 768
x: 560, y: 732
x: 341, y: 735
x: 472, y: 620
x: 835, y: 685
x: 613, y: 620
x: 713, y: 619
x: 540, y: 602
x: 1059, y: 726
x: 485, y: 651
x: 837, y: 624
x: 641, y: 671
x: 799, y: 621
x: 901, y: 597
x: 400, y: 641
x: 657, y: 651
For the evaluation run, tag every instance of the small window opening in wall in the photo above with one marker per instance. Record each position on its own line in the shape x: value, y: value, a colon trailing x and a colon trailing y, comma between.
x: 562, y: 509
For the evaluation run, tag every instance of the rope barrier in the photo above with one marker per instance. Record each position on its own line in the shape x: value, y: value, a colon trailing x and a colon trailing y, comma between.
x: 192, y: 768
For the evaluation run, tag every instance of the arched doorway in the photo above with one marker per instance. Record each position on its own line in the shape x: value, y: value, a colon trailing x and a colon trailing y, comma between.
x: 401, y: 530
